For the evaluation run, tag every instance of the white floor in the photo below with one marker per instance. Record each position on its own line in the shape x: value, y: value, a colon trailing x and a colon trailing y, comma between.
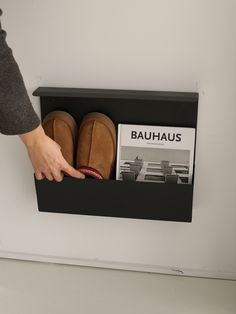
x: 33, y: 288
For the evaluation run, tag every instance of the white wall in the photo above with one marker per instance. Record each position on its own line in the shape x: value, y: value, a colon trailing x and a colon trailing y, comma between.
x: 184, y: 45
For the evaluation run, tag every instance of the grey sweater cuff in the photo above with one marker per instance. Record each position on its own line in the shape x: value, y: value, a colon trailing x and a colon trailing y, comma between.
x: 17, y: 115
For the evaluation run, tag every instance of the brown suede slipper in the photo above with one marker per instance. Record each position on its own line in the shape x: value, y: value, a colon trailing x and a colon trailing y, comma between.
x: 96, y: 150
x: 62, y: 128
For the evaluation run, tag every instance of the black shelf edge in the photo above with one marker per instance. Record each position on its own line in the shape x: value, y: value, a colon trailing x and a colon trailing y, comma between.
x: 116, y: 94
x: 113, y: 198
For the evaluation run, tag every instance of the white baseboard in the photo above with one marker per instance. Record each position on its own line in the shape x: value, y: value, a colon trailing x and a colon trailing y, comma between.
x: 119, y: 265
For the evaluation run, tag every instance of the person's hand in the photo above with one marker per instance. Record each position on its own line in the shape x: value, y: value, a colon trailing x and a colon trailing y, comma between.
x: 46, y: 157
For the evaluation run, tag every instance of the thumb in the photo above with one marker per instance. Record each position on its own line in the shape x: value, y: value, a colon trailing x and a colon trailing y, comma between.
x: 73, y: 172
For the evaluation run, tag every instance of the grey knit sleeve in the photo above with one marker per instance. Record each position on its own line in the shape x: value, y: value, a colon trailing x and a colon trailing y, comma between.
x: 17, y: 115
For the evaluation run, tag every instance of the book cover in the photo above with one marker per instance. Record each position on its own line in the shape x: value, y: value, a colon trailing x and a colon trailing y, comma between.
x: 155, y: 154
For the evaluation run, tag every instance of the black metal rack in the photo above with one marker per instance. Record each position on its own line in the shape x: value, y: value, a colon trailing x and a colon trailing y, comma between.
x: 140, y: 200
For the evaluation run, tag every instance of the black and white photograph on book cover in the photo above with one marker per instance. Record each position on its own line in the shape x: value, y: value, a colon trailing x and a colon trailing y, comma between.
x: 155, y: 154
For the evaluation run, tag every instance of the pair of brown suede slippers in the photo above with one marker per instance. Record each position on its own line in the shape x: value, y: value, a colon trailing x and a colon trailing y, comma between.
x: 91, y: 148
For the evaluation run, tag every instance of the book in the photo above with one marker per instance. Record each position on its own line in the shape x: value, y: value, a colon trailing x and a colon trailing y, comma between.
x: 155, y: 154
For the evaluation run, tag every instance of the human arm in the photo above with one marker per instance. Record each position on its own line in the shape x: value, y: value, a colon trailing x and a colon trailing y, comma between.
x: 17, y: 117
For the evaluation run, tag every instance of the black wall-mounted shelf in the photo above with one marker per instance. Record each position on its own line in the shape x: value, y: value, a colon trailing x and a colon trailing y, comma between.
x: 140, y: 200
